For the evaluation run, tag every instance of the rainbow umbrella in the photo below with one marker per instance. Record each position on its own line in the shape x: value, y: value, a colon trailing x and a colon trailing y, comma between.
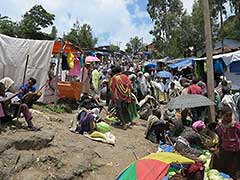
x: 152, y: 167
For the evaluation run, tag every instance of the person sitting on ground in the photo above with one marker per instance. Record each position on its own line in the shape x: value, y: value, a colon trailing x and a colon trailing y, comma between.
x: 8, y: 83
x: 11, y: 109
x: 184, y: 143
x: 28, y: 92
x: 227, y: 155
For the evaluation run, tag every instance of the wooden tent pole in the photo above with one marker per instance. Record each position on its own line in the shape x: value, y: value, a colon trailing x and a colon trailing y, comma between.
x: 56, y: 79
x: 209, y: 51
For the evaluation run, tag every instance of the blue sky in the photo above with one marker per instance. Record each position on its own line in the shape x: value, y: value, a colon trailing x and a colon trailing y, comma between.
x: 112, y: 21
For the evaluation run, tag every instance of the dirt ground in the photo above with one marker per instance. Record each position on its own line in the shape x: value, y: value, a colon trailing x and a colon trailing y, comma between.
x: 56, y: 153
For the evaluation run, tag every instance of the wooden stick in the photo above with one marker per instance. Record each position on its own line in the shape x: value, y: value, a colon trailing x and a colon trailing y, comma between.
x: 24, y: 77
x: 25, y: 70
x: 58, y: 64
x: 135, y: 155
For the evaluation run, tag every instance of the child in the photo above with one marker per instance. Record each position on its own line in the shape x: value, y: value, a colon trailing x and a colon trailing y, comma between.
x: 227, y: 157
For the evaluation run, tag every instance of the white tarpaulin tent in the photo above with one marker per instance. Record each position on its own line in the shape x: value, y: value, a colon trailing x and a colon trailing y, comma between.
x: 13, y: 55
x: 228, y: 58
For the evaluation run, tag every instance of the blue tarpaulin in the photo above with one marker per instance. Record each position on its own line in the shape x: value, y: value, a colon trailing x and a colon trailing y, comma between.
x: 182, y: 64
x: 150, y: 64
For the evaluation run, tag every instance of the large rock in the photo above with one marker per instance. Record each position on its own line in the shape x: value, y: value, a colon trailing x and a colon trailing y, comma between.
x: 34, y: 141
x: 27, y: 141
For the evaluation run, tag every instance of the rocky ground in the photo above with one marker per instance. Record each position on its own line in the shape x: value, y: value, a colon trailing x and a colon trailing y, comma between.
x: 56, y: 153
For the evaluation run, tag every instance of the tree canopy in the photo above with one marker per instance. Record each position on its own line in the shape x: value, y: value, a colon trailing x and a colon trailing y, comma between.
x: 7, y: 26
x: 36, y: 19
x: 134, y: 45
x: 81, y: 36
x: 175, y: 31
x: 30, y: 26
x: 114, y: 48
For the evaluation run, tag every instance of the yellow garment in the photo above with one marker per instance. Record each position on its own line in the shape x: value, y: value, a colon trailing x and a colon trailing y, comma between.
x: 161, y: 96
x: 97, y: 134
x: 169, y: 158
x: 95, y: 79
x: 205, y: 67
x: 70, y: 60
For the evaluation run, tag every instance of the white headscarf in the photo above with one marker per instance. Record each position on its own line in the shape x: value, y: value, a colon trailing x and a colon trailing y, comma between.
x: 8, y: 82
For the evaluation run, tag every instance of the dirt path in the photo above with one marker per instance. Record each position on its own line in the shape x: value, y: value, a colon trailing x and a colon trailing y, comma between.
x: 56, y: 153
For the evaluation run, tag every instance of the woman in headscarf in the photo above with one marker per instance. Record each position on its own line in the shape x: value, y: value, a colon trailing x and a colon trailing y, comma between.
x: 121, y: 96
x: 8, y: 83
x: 143, y: 88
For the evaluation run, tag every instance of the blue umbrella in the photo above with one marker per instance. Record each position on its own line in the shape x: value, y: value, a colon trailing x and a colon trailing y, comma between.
x: 164, y: 74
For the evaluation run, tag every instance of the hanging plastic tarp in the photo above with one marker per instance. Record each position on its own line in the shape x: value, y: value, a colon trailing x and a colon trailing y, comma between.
x: 67, y: 47
x: 228, y: 58
x: 183, y: 64
x: 13, y: 55
x: 150, y: 64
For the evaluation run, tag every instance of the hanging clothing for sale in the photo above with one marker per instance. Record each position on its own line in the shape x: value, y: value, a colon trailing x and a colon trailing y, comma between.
x: 76, y: 70
x: 65, y: 65
x: 95, y: 79
x: 81, y: 59
x: 218, y: 67
x: 70, y: 60
x: 205, y: 67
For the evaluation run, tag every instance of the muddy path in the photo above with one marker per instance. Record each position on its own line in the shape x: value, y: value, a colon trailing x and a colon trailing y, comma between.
x: 56, y: 153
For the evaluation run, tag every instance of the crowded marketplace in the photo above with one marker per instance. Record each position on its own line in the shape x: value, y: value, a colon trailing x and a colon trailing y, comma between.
x: 70, y: 111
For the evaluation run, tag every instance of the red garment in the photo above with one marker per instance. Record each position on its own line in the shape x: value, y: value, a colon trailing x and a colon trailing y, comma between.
x: 230, y: 136
x: 121, y: 87
x: 197, y: 166
x: 194, y: 89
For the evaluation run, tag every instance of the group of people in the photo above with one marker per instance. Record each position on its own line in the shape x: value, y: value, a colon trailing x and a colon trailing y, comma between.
x: 125, y: 87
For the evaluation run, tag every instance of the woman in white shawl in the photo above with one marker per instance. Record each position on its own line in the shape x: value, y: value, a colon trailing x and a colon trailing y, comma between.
x: 142, y: 84
x: 8, y: 82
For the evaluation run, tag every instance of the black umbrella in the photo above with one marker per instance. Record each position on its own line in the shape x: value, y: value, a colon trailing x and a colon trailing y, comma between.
x: 189, y: 101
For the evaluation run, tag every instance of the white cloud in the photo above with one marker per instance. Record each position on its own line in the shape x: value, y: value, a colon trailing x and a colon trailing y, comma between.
x: 105, y: 16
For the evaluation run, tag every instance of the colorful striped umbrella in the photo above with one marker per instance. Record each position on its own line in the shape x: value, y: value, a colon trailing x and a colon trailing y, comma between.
x: 152, y: 167
x: 145, y: 169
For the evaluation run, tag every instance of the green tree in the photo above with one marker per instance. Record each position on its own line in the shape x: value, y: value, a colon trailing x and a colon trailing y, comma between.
x: 134, y: 45
x: 198, y: 34
x: 53, y: 33
x: 81, y: 36
x: 166, y: 16
x: 114, y: 48
x: 235, y: 5
x: 7, y: 26
x: 36, y: 19
x: 231, y: 28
